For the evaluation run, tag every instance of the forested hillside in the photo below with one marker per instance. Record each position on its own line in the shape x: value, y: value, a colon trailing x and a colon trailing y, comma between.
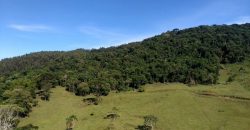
x: 191, y: 56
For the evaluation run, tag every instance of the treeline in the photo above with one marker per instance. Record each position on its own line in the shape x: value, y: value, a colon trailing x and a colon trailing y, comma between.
x: 191, y: 56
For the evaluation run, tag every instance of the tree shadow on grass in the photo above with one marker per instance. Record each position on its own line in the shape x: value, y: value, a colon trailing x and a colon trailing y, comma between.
x: 28, y: 127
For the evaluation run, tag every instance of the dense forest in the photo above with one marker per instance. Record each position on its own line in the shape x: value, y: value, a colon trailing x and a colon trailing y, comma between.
x: 191, y: 56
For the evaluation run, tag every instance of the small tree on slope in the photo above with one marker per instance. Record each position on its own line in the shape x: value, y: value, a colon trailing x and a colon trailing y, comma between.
x: 70, y: 122
x: 8, y: 117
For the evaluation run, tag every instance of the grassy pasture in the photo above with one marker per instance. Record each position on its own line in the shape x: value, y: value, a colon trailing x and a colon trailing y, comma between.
x: 177, y: 107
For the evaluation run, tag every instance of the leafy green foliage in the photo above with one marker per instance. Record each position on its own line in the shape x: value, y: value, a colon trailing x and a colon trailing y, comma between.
x: 9, y: 117
x: 21, y: 97
x: 231, y: 78
x: 150, y: 120
x: 93, y: 100
x: 83, y: 89
x: 149, y: 123
x: 141, y: 89
x: 191, y: 56
x: 70, y: 122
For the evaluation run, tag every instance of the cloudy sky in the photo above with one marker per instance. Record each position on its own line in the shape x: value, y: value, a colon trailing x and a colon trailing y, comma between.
x: 44, y: 25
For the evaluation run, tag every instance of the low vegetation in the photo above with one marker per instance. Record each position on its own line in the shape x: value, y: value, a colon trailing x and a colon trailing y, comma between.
x: 70, y: 122
x: 92, y: 100
x: 175, y: 106
x: 172, y: 105
x: 216, y: 56
x: 8, y: 117
x: 149, y: 123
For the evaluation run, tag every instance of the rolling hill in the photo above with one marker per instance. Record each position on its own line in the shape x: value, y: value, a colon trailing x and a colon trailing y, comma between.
x: 207, y: 57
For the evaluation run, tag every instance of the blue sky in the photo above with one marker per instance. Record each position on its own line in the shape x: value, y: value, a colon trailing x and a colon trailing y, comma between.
x: 44, y: 25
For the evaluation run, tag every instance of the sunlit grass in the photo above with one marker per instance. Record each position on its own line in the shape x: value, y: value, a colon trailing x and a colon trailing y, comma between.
x: 177, y: 106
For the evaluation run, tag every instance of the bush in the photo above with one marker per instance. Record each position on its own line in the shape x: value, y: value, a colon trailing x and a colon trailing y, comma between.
x: 45, y: 95
x: 104, y: 91
x: 241, y: 69
x: 95, y: 100
x: 231, y: 78
x: 144, y: 127
x: 149, y: 123
x: 70, y: 122
x: 141, y: 89
x: 100, y: 89
x: 112, y: 116
x: 9, y: 117
x: 82, y: 89
x: 122, y: 88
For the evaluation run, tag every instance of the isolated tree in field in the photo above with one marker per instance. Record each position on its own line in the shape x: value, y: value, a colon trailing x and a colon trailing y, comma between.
x: 8, y: 117
x: 150, y: 122
x: 70, y: 122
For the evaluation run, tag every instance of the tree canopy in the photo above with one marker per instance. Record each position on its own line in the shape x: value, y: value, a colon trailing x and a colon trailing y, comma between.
x: 191, y: 56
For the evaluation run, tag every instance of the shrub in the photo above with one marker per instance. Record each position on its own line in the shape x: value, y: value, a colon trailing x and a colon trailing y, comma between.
x: 95, y: 100
x: 82, y: 89
x: 141, y: 89
x: 144, y: 127
x: 112, y: 116
x: 241, y: 69
x: 149, y: 123
x: 231, y: 78
x: 70, y: 122
x: 9, y: 117
x: 104, y: 91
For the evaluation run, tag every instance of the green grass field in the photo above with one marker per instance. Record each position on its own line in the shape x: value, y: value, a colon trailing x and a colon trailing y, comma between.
x: 177, y: 107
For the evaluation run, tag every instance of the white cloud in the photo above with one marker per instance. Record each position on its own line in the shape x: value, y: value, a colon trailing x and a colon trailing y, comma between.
x: 30, y: 28
x: 241, y: 20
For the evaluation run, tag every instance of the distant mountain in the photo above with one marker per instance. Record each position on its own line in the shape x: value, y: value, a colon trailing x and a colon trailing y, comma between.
x: 189, y: 56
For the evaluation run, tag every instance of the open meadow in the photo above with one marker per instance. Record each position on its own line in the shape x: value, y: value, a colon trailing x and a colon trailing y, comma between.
x: 224, y: 106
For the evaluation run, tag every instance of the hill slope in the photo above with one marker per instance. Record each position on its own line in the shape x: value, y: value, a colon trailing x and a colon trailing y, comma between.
x: 176, y: 106
x: 191, y: 56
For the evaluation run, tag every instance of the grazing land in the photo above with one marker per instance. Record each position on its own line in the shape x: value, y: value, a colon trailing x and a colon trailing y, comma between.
x: 93, y: 66
x: 224, y: 106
